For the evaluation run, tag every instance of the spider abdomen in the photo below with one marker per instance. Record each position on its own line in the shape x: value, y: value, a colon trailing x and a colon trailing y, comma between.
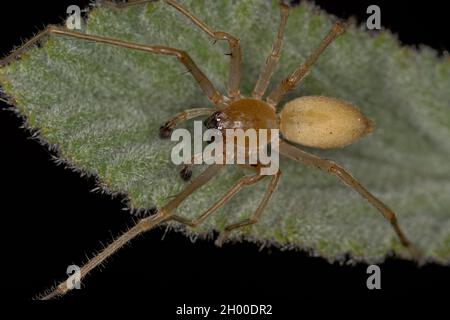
x: 322, y: 122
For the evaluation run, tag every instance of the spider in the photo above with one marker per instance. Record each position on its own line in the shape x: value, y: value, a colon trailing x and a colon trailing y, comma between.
x: 312, y: 121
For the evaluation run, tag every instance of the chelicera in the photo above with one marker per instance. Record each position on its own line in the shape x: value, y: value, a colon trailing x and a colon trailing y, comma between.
x: 312, y: 121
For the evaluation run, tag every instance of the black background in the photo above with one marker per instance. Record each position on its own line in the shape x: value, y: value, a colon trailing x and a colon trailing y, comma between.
x: 50, y: 219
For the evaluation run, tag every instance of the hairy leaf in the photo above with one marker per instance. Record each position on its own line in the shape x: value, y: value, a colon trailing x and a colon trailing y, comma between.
x: 101, y: 108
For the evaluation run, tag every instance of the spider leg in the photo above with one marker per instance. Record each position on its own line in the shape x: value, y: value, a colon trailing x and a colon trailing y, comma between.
x: 256, y: 215
x: 332, y: 168
x: 142, y: 226
x: 166, y: 129
x: 272, y: 59
x: 233, y: 42
x: 298, y: 75
x: 186, y: 172
x: 244, y: 181
x: 205, y: 84
x: 198, y: 158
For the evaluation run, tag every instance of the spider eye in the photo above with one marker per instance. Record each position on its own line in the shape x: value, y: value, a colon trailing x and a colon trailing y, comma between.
x: 212, y: 122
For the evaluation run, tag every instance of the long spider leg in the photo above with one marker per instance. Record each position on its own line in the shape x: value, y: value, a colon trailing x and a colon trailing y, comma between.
x: 272, y: 59
x: 166, y: 129
x: 205, y: 84
x: 233, y: 42
x: 298, y: 75
x: 332, y: 168
x: 142, y: 226
x: 254, y: 218
x: 244, y: 181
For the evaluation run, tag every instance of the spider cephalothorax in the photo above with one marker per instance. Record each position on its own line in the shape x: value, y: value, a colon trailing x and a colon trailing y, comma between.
x: 244, y: 114
x: 318, y: 122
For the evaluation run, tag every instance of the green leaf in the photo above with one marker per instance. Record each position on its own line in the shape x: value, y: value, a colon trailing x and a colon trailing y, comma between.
x: 101, y: 108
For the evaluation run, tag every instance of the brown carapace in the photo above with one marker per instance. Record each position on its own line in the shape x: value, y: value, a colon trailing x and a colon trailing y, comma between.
x: 318, y: 122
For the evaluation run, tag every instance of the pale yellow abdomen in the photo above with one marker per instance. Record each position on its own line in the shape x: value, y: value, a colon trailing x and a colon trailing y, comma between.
x: 322, y: 122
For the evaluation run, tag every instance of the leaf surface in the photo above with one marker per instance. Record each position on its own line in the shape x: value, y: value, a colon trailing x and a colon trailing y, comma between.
x: 101, y: 108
